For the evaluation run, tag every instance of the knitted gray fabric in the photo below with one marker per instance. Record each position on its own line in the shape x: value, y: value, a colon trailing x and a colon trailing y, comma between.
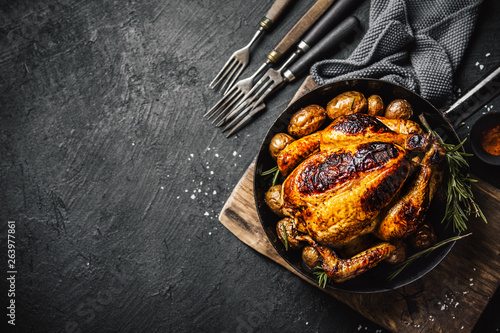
x: 414, y: 43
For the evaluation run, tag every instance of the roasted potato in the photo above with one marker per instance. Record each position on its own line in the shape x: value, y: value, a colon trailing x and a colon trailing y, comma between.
x: 346, y: 103
x: 306, y: 120
x: 398, y: 255
x: 423, y: 237
x: 375, y: 106
x: 278, y: 143
x: 311, y: 257
x: 291, y: 233
x: 273, y: 200
x: 399, y: 109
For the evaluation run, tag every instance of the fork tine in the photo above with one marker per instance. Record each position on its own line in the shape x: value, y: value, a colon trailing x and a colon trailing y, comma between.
x: 249, y: 97
x: 223, y: 72
x: 236, y: 97
x: 221, y: 104
x: 249, y: 90
x: 230, y: 81
x: 232, y: 75
x: 257, y: 108
x: 238, y: 117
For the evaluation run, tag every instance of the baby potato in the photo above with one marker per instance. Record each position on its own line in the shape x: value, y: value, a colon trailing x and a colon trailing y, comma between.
x: 273, y: 200
x: 291, y: 233
x: 311, y: 257
x: 346, y: 103
x: 375, y: 106
x: 399, y: 109
x: 423, y: 238
x: 398, y: 255
x: 278, y: 143
x: 306, y: 121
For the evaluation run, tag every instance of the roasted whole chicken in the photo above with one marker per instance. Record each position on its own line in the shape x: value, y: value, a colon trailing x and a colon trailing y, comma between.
x: 363, y: 183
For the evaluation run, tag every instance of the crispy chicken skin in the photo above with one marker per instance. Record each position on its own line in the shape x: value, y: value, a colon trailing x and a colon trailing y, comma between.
x: 353, y: 129
x: 297, y: 151
x: 348, y: 180
x: 336, y: 193
x: 405, y: 216
x: 340, y: 270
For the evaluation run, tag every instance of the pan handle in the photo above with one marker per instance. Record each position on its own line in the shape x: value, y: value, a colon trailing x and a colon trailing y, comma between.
x: 482, y: 93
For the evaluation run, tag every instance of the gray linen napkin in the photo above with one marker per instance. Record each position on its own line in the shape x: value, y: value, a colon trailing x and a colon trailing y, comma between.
x: 414, y: 43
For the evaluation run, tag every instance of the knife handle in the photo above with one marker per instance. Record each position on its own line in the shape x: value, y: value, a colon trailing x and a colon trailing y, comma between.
x: 277, y: 8
x: 337, y: 12
x: 302, y: 25
x: 322, y: 48
x: 481, y: 93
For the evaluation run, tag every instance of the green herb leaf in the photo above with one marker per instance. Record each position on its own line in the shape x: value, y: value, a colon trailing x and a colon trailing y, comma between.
x: 401, y: 266
x: 270, y: 171
x: 275, y: 171
x: 285, y: 235
x: 322, y: 277
x: 460, y: 203
x: 352, y: 102
x: 275, y: 178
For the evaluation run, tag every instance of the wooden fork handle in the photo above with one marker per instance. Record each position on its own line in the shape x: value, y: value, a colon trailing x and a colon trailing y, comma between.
x: 277, y: 8
x: 302, y: 25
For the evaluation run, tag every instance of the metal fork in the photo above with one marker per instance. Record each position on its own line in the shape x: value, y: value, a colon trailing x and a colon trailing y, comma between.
x: 233, y: 95
x: 240, y: 59
x: 274, y: 79
x: 333, y: 16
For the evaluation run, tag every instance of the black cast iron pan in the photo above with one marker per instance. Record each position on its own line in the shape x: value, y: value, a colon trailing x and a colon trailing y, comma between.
x: 376, y: 279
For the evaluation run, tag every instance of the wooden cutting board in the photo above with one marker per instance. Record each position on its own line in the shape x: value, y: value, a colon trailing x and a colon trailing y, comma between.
x: 448, y: 299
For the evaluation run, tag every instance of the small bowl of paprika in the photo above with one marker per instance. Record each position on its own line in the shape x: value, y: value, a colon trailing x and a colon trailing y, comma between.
x: 485, y: 138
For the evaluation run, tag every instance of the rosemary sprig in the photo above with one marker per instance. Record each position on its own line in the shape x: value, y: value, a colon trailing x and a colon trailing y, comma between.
x: 352, y: 103
x: 270, y: 171
x: 274, y: 170
x: 460, y: 203
x: 322, y: 277
x: 401, y: 266
x: 285, y: 235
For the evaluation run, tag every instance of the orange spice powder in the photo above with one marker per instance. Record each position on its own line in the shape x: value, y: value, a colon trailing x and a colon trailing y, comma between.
x: 490, y: 140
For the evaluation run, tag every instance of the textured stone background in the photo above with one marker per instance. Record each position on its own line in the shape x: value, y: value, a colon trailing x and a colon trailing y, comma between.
x: 115, y: 180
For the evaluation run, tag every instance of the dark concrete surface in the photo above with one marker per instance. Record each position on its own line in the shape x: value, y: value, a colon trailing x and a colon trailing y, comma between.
x: 115, y: 181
